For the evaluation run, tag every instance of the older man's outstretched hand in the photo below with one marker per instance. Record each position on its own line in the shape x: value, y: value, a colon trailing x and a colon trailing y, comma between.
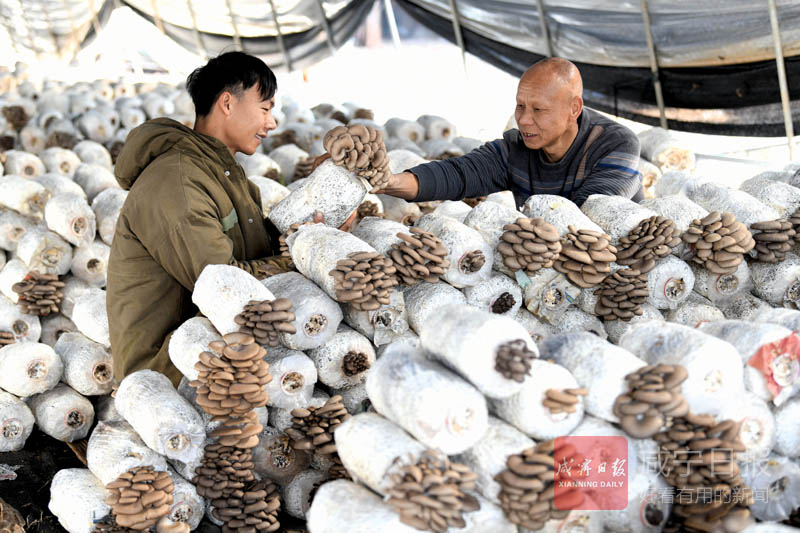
x: 404, y: 185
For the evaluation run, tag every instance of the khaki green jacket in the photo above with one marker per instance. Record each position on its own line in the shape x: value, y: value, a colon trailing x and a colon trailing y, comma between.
x: 190, y: 205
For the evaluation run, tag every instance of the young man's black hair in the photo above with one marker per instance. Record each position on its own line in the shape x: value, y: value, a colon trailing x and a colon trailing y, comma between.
x: 232, y: 71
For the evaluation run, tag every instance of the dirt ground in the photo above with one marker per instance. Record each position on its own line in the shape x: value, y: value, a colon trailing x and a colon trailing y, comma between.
x: 29, y: 492
x: 36, y: 464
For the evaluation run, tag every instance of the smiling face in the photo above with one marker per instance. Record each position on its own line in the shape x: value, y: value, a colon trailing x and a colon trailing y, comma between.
x: 548, y: 106
x: 248, y: 120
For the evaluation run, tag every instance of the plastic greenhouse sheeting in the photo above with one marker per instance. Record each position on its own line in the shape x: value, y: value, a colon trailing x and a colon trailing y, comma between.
x: 53, y: 26
x: 716, y: 58
x: 300, y: 23
x: 59, y: 26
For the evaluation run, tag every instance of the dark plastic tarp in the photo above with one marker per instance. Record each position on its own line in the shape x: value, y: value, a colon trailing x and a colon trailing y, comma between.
x: 715, y: 70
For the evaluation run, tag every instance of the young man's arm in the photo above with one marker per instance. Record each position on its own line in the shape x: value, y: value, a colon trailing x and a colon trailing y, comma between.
x: 478, y: 173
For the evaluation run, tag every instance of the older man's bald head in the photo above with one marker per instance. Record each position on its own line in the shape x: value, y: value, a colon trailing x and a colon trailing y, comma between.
x: 555, y: 70
x: 549, y: 103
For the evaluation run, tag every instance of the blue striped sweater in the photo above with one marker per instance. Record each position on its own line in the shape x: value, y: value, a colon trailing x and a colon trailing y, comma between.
x: 611, y: 162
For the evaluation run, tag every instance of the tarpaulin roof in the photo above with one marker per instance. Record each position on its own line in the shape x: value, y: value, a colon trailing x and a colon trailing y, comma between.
x: 715, y: 57
x: 206, y: 27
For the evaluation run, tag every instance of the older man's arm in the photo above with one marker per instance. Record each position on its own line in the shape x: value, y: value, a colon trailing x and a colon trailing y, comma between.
x: 613, y: 170
x: 478, y: 173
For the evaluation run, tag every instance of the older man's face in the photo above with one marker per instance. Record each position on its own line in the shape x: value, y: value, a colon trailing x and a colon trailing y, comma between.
x: 544, y: 112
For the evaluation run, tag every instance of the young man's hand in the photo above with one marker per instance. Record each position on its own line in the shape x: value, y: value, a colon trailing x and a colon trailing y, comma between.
x: 319, y: 218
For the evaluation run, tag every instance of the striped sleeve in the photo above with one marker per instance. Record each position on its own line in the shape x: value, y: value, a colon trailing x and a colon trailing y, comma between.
x: 478, y: 173
x: 613, y: 169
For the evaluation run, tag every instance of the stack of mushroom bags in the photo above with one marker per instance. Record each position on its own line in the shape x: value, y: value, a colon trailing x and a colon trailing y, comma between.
x: 414, y: 373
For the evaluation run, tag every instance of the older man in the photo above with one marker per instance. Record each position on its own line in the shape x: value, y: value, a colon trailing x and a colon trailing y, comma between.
x: 560, y: 148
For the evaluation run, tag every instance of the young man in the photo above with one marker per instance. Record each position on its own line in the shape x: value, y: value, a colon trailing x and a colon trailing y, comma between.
x: 560, y: 148
x: 190, y: 205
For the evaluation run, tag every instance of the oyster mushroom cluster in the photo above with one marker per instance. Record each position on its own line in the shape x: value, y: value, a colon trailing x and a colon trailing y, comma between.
x: 621, y: 294
x: 274, y: 174
x: 513, y: 360
x: 364, y: 280
x: 263, y: 270
x: 430, y: 495
x: 472, y: 202
x: 654, y: 396
x: 61, y: 139
x: 652, y: 239
x: 303, y: 168
x: 266, y: 320
x: 698, y: 457
x: 255, y: 508
x: 503, y: 303
x: 114, y: 149
x: 719, y: 242
x: 6, y: 337
x: 563, y: 400
x: 231, y: 385
x: 368, y: 209
x: 224, y: 472
x: 16, y: 116
x: 409, y: 220
x: 239, y: 432
x: 529, y: 244
x: 527, y: 486
x: 282, y: 138
x: 363, y: 112
x: 472, y: 261
x: 354, y: 363
x: 10, y: 519
x: 773, y: 239
x: 586, y: 257
x: 420, y: 257
x: 795, y: 221
x: 313, y: 427
x: 337, y: 469
x: 39, y: 294
x: 140, y: 497
x: 360, y: 149
x: 284, y: 248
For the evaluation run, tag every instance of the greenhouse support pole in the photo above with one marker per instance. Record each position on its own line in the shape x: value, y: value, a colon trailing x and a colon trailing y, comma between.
x: 28, y: 31
x: 327, y: 27
x: 10, y: 36
x: 387, y: 5
x: 72, y: 28
x: 543, y: 27
x: 201, y: 46
x: 651, y: 50
x: 157, y: 17
x: 457, y: 31
x: 56, y: 45
x: 784, y: 86
x: 95, y: 22
x: 237, y: 39
x: 281, y: 44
